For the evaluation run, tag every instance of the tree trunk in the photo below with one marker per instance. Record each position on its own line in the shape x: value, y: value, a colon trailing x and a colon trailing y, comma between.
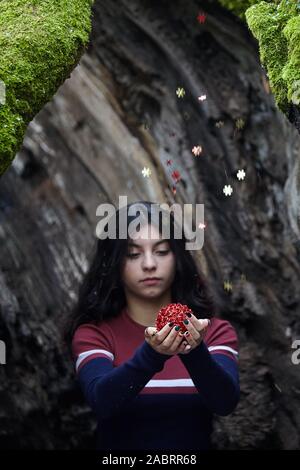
x: 119, y: 112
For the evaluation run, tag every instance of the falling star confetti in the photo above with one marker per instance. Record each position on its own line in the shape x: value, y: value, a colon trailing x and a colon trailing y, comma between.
x: 180, y: 92
x: 227, y: 285
x: 288, y: 332
x: 227, y: 190
x: 197, y: 150
x: 241, y: 174
x: 219, y: 124
x: 201, y: 17
x: 278, y: 388
x: 202, y: 97
x: 146, y: 172
x: 176, y: 175
x: 202, y: 226
x: 225, y: 172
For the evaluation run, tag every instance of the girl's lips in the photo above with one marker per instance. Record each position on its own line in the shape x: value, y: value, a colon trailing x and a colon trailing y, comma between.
x: 151, y: 282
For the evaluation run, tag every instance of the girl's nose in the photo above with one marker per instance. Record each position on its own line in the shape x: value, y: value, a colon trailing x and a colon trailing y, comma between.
x: 149, y: 260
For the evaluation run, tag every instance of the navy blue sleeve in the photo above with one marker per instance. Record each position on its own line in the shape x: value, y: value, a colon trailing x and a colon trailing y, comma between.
x: 216, y: 378
x: 107, y: 389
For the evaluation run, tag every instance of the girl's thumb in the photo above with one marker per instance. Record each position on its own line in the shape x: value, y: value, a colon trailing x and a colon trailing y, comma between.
x: 149, y: 331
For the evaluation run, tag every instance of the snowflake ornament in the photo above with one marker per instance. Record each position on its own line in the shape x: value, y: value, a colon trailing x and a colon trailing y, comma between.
x: 241, y: 174
x: 201, y: 17
x: 180, y: 92
x: 146, y: 172
x: 197, y: 150
x: 227, y: 286
x: 227, y: 190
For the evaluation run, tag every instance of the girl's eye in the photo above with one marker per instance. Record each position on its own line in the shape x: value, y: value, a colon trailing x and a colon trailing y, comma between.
x: 163, y: 252
x: 134, y: 255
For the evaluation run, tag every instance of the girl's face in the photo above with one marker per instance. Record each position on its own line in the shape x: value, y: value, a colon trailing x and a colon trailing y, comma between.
x: 148, y: 257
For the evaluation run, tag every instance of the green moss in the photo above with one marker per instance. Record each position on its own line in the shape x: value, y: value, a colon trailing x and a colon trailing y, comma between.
x: 291, y: 70
x: 41, y: 41
x: 277, y: 29
x: 276, y: 26
x: 239, y: 6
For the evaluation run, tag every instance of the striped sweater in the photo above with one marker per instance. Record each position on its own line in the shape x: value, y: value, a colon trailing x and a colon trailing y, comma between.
x: 144, y: 399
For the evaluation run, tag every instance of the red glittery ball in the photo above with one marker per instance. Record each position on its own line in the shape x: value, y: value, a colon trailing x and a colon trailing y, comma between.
x: 172, y: 312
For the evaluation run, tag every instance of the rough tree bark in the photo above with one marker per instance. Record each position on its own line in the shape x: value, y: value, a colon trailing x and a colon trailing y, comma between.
x: 116, y: 114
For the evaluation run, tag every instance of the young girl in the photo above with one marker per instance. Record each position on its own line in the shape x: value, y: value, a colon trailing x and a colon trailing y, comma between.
x: 151, y: 389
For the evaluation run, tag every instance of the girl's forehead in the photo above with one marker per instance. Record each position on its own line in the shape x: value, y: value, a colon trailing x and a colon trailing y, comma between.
x: 145, y: 232
x: 147, y: 242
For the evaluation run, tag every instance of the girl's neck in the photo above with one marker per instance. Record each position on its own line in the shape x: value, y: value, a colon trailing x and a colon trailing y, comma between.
x: 144, y: 311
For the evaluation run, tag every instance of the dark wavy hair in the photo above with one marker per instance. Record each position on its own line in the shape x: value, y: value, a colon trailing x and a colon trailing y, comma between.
x: 101, y: 294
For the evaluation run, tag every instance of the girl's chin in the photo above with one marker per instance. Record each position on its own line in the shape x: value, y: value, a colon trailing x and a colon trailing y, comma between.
x: 149, y: 290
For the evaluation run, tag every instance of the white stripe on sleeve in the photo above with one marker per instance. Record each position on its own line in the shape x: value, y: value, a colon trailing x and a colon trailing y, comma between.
x: 225, y: 348
x: 170, y: 383
x: 85, y: 354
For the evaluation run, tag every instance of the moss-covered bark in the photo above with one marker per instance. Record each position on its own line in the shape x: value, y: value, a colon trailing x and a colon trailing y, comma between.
x: 277, y: 29
x: 276, y: 26
x: 41, y: 41
x: 238, y: 6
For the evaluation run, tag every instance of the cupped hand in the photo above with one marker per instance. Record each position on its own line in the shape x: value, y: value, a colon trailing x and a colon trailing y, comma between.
x: 166, y: 341
x: 196, y: 329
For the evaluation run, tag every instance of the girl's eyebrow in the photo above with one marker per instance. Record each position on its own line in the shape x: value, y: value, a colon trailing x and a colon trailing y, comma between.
x: 155, y: 244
